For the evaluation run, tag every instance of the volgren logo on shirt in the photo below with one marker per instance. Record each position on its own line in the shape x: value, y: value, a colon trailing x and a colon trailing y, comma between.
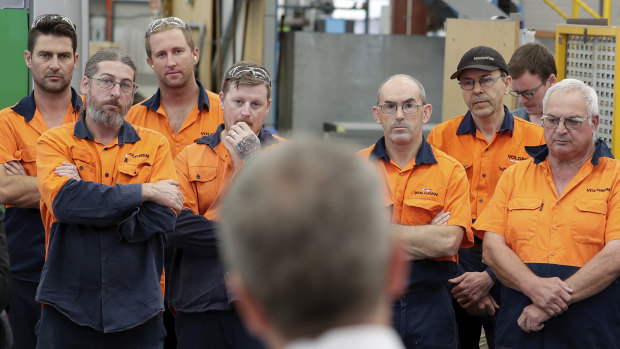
x: 515, y: 158
x: 203, y: 133
x: 425, y: 191
x: 598, y: 190
x: 132, y: 155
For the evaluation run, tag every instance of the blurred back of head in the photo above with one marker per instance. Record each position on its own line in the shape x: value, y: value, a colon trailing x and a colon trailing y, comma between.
x: 305, y: 229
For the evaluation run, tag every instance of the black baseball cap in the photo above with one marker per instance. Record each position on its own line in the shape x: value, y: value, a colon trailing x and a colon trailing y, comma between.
x: 481, y: 57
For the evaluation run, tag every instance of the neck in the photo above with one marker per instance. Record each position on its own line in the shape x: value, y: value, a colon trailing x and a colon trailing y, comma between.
x: 536, y: 119
x: 182, y: 95
x: 103, y: 133
x: 574, y: 163
x: 489, y: 125
x: 402, y: 154
x: 48, y: 102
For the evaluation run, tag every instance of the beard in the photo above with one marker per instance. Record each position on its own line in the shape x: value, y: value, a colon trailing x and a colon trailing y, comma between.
x: 52, y: 87
x: 106, y: 118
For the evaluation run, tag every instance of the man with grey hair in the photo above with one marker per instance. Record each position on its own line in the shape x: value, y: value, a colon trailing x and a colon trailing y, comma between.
x: 306, y: 242
x: 553, y: 233
x: 109, y: 194
x: 428, y: 195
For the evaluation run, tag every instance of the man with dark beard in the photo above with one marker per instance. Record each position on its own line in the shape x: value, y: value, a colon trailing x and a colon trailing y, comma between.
x: 109, y: 195
x: 52, y: 58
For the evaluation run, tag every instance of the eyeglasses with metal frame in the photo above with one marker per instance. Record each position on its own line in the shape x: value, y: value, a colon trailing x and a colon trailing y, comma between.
x: 529, y: 94
x: 256, y: 72
x: 108, y: 83
x: 174, y: 22
x: 571, y: 123
x: 485, y: 81
x: 51, y: 17
x: 407, y: 107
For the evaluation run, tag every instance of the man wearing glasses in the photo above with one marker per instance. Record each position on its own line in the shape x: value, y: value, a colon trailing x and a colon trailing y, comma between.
x: 197, y: 290
x: 533, y: 71
x: 109, y: 195
x: 52, y: 58
x: 427, y: 195
x: 553, y: 233
x: 486, y: 140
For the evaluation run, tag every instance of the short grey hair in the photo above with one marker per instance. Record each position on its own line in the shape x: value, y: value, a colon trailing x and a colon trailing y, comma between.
x: 305, y: 228
x: 416, y: 81
x: 113, y: 55
x: 587, y: 92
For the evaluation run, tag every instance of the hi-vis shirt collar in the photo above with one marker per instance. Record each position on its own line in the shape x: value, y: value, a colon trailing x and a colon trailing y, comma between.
x: 467, y: 125
x: 424, y: 155
x: 128, y: 134
x: 540, y: 152
x: 155, y: 101
x: 27, y: 106
x: 264, y: 136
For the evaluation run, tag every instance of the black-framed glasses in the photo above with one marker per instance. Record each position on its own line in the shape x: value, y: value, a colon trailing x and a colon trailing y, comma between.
x: 52, y: 17
x: 529, y: 94
x: 172, y: 22
x: 108, y: 83
x: 407, y: 107
x: 256, y: 72
x: 485, y: 81
x: 571, y: 123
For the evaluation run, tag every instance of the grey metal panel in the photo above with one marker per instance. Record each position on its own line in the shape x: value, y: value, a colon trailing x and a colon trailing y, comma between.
x: 335, y: 77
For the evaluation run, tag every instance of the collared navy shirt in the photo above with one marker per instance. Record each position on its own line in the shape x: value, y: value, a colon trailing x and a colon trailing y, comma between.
x: 155, y: 101
x: 540, y: 152
x: 468, y: 125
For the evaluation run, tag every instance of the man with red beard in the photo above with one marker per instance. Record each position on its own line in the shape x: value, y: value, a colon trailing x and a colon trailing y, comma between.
x: 426, y: 192
x: 197, y: 290
x: 109, y: 195
x: 52, y: 58
x: 486, y: 140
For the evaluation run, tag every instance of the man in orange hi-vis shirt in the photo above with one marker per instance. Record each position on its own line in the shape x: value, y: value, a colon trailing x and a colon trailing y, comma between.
x: 428, y: 195
x: 52, y: 58
x: 486, y: 140
x: 109, y: 195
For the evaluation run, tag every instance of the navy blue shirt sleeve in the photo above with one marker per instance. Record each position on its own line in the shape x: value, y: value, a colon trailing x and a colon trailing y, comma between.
x: 146, y: 221
x: 194, y: 234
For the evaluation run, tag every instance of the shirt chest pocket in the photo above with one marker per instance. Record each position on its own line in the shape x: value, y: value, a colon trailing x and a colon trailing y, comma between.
x: 85, y: 164
x: 203, y: 180
x: 418, y: 211
x: 137, y: 171
x: 523, y: 215
x: 589, y: 222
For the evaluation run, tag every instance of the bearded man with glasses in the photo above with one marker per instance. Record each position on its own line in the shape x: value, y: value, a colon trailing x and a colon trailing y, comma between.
x: 109, y: 195
x: 51, y: 56
x: 427, y: 197
x: 486, y: 140
x: 533, y: 71
x: 553, y: 232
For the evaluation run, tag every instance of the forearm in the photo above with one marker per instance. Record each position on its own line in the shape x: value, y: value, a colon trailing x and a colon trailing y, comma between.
x: 429, y: 241
x: 20, y: 191
x: 597, y: 274
x: 195, y: 234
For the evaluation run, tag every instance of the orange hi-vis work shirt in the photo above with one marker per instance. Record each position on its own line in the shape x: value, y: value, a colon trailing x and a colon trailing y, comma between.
x: 554, y: 236
x: 205, y: 169
x: 428, y: 184
x: 201, y: 121
x: 485, y: 161
x: 106, y: 245
x: 20, y: 127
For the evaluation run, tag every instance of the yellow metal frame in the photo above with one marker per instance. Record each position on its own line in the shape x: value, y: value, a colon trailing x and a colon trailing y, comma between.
x: 561, y: 33
x: 580, y: 4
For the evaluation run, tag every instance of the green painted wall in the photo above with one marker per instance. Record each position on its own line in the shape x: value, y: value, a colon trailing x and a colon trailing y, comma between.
x: 13, y: 70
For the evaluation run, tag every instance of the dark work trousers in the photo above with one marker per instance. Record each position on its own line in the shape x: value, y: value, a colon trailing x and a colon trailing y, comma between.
x: 24, y: 313
x: 55, y: 330
x: 469, y: 325
x: 213, y: 330
x: 424, y: 318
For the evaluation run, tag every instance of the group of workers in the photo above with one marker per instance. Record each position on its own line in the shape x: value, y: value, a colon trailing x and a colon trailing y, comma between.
x: 164, y: 224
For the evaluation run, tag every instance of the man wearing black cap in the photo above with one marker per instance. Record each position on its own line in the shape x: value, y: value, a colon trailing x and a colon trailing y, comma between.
x: 486, y: 140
